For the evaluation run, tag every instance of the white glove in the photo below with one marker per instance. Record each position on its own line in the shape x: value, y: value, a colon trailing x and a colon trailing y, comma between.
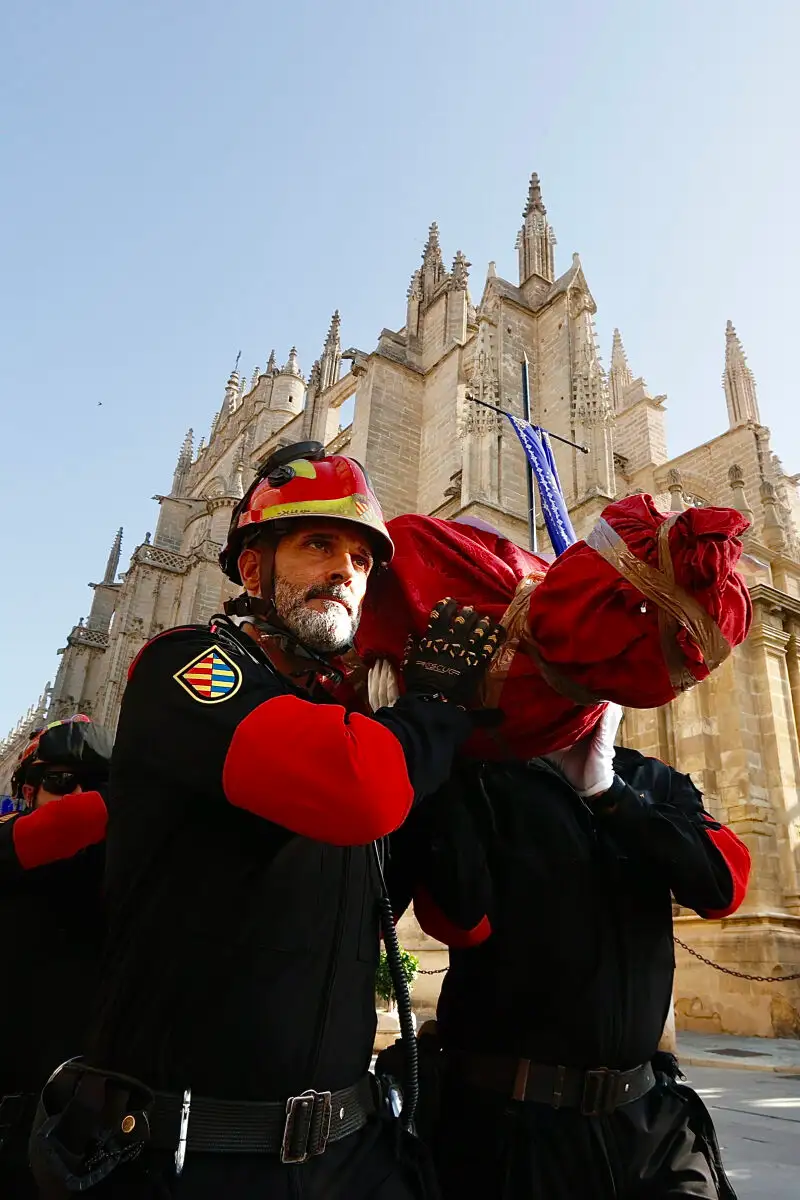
x: 382, y: 685
x: 589, y: 764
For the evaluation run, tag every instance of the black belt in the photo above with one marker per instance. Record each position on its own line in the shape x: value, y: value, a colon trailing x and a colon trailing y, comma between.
x: 595, y: 1093
x: 296, y: 1129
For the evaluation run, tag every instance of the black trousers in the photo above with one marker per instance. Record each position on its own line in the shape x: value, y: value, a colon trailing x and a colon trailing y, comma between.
x: 17, y: 1181
x: 16, y: 1115
x: 652, y: 1149
x: 379, y: 1162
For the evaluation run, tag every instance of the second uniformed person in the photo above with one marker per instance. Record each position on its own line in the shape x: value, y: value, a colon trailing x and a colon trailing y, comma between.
x: 51, y: 875
x: 243, y: 890
x: 552, y: 882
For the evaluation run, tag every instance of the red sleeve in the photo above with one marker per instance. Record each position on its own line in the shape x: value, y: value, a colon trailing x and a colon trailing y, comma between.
x: 339, y: 779
x: 60, y: 829
x: 737, y: 860
x: 437, y: 925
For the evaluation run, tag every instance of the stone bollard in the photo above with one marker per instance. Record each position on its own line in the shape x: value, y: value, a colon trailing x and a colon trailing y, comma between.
x: 668, y: 1039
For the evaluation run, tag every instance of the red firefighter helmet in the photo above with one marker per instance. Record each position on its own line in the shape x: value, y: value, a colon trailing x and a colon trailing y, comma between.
x: 300, y: 481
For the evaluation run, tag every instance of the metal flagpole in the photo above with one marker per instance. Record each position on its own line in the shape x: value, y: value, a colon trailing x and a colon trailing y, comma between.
x: 539, y: 462
x: 505, y: 413
x: 526, y: 416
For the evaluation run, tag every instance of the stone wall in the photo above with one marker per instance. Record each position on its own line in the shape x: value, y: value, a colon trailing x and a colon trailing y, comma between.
x: 388, y: 424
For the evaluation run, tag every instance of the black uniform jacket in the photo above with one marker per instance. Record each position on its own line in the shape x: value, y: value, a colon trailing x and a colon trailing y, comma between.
x: 560, y: 920
x: 51, y: 874
x: 242, y: 888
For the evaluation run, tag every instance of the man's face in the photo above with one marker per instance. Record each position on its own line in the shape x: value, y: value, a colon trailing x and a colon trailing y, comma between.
x: 319, y: 578
x: 62, y: 780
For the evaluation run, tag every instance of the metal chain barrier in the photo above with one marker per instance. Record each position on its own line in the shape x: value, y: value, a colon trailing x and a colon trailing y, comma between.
x: 696, y: 954
x: 730, y: 970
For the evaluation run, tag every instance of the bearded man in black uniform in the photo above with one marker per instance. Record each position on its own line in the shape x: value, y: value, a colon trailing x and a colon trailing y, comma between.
x: 551, y: 882
x: 243, y: 888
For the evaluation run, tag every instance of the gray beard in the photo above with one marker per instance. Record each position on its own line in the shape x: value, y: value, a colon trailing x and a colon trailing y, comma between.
x: 327, y: 631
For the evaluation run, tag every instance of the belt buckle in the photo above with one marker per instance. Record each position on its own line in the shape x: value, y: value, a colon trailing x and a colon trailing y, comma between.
x: 598, y: 1092
x: 308, y: 1125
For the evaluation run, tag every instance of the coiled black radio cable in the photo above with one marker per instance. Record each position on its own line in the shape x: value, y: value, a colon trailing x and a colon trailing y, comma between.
x: 403, y: 998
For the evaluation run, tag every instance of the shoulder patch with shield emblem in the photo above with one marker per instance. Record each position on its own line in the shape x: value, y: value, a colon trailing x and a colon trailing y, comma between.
x: 210, y: 677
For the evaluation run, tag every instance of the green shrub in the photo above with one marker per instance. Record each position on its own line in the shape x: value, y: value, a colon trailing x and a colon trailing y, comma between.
x: 384, y: 988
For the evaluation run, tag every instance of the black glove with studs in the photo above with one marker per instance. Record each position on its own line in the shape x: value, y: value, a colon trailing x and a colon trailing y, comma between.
x: 449, y: 661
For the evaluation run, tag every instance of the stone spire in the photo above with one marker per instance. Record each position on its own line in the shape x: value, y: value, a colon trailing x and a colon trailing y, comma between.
x: 536, y: 238
x: 774, y: 534
x: 479, y: 478
x: 432, y: 247
x: 589, y: 385
x: 183, y: 464
x: 738, y: 382
x: 44, y: 701
x: 535, y: 202
x: 334, y: 330
x: 254, y: 378
x: 112, y: 566
x: 331, y: 359
x: 459, y: 275
x: 313, y: 413
x: 458, y: 301
x: 236, y: 481
x: 736, y: 480
x: 432, y: 263
x: 291, y: 367
x: 272, y: 367
x: 620, y: 376
x: 414, y: 291
x: 484, y: 384
x: 414, y: 304
x: 104, y: 598
x: 592, y: 409
x: 231, y: 393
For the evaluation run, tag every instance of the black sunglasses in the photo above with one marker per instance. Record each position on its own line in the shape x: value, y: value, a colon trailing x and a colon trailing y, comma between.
x: 58, y: 782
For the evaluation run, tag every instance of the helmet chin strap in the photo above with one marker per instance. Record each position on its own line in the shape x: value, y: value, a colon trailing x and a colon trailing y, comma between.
x: 260, y: 613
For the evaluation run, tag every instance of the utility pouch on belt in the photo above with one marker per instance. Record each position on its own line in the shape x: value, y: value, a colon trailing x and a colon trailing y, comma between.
x: 669, y: 1074
x: 87, y: 1123
x: 390, y: 1070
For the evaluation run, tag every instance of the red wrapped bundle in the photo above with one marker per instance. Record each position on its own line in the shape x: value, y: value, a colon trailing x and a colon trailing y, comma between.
x: 436, y: 558
x: 641, y: 610
x: 645, y: 607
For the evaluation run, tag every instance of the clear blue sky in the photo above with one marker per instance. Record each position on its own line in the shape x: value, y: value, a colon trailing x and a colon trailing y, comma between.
x: 186, y: 178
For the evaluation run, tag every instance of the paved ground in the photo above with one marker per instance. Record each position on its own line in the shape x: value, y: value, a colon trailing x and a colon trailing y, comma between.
x: 746, y: 1053
x: 757, y: 1115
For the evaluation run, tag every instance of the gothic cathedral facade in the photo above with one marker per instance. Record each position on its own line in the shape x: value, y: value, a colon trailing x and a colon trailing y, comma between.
x: 429, y: 448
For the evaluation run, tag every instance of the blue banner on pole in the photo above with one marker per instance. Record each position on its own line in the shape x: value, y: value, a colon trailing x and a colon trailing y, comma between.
x: 539, y: 453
